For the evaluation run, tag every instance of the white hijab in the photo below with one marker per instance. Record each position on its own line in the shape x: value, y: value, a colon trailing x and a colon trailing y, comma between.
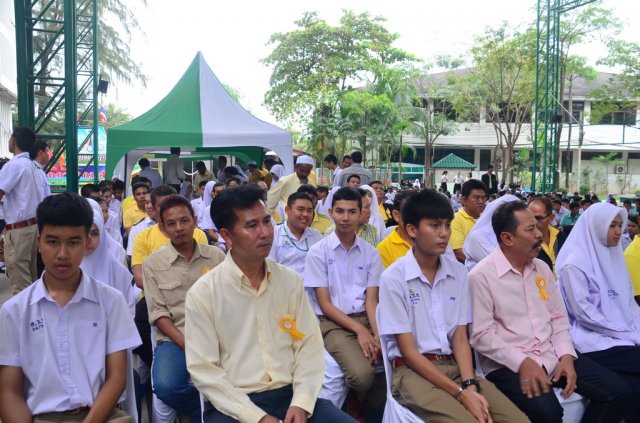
x: 103, y: 266
x: 481, y: 241
x: 586, y: 249
x: 203, y: 210
x: 278, y: 171
x: 375, y: 219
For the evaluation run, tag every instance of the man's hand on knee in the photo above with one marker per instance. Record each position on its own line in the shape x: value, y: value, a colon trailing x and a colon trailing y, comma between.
x: 295, y: 415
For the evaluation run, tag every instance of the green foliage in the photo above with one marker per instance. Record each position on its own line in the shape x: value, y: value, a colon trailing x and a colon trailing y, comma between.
x: 116, y: 116
x: 584, y: 189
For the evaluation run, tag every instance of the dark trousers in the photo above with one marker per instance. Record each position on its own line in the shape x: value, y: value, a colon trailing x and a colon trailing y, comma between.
x: 625, y: 362
x: 607, y: 393
x: 276, y: 403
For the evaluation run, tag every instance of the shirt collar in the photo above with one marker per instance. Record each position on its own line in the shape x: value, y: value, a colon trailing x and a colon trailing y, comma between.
x: 21, y: 155
x: 503, y: 266
x: 198, y: 252
x: 238, y: 276
x: 84, y: 290
x: 412, y: 269
x: 305, y: 233
x: 334, y: 241
x: 397, y: 239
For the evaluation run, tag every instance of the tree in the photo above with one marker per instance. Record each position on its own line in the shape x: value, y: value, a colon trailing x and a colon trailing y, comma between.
x: 115, y: 116
x: 575, y: 67
x: 499, y: 88
x: 316, y: 63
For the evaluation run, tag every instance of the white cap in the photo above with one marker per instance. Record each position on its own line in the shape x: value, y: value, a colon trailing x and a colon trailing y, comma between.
x: 305, y: 160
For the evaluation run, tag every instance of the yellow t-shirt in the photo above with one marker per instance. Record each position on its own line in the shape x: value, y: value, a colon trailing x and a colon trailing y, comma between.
x: 461, y: 225
x: 632, y: 257
x: 392, y: 248
x: 383, y: 212
x: 321, y: 223
x: 128, y: 203
x: 152, y: 239
x: 553, y: 235
x: 132, y: 216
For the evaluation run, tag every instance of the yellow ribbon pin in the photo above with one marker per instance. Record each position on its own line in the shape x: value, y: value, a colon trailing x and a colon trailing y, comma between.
x: 541, y: 283
x: 205, y: 270
x: 288, y: 325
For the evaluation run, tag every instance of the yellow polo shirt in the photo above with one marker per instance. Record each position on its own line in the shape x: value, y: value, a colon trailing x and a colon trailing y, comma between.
x: 152, y: 239
x: 383, y: 212
x: 548, y: 248
x: 132, y: 216
x: 392, y: 248
x: 632, y: 257
x: 128, y: 203
x: 321, y: 223
x: 460, y: 227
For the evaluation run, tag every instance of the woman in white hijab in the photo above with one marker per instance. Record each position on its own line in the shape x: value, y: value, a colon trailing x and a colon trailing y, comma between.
x: 375, y: 219
x: 277, y: 172
x: 203, y: 211
x: 595, y: 284
x: 101, y: 264
x: 481, y: 241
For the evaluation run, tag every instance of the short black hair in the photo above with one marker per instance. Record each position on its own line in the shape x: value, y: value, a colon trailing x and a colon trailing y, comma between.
x: 470, y: 185
x: 65, y: 209
x: 161, y: 191
x: 350, y: 177
x: 546, y: 202
x: 106, y: 189
x: 556, y: 202
x: 38, y: 146
x: 345, y: 157
x: 88, y: 189
x: 174, y: 200
x: 119, y: 185
x: 174, y: 150
x: 216, y: 185
x: 347, y: 194
x: 356, y: 156
x: 269, y: 160
x: 633, y: 218
x: 375, y: 182
x: 565, y: 200
x: 490, y: 167
x: 224, y: 205
x: 322, y: 188
x: 425, y: 204
x: 308, y: 189
x: 504, y: 218
x: 583, y: 202
x: 203, y: 183
x: 25, y: 138
x: 400, y: 197
x: 139, y: 185
x: 574, y: 205
x: 331, y: 158
x: 141, y: 179
x: 144, y: 162
x: 298, y: 195
x: 222, y: 159
x: 625, y: 202
x: 99, y: 200
x: 233, y: 179
x: 105, y: 184
x: 201, y: 164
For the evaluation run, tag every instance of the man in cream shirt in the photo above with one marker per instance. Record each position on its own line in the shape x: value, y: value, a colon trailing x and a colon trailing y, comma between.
x: 253, y: 345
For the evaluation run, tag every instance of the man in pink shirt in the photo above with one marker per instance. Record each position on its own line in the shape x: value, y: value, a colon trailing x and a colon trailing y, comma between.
x: 521, y: 330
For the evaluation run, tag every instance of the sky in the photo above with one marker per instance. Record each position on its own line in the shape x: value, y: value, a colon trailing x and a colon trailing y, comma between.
x: 233, y: 37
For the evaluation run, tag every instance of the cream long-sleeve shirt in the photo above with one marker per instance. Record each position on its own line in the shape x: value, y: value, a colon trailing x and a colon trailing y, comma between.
x: 235, y: 345
x: 286, y: 186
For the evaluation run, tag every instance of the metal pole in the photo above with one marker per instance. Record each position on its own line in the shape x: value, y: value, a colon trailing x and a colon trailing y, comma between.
x: 22, y: 62
x: 96, y: 135
x: 70, y: 108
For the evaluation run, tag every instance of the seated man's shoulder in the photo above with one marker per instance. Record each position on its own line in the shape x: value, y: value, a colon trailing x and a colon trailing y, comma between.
x: 213, y: 252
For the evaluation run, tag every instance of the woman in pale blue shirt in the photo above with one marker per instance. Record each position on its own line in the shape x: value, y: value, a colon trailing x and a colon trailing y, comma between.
x: 595, y: 284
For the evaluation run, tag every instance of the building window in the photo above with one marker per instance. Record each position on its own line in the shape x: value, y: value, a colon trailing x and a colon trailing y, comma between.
x: 620, y: 116
x: 567, y: 161
x: 577, y: 112
x: 485, y: 159
x: 593, y: 155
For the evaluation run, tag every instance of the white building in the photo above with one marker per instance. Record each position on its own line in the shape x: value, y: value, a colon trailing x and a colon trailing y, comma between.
x: 8, y: 76
x: 476, y: 142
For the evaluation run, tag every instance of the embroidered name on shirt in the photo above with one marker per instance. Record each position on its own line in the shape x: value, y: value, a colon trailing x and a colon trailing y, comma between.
x: 613, y: 294
x: 37, y: 325
x: 414, y: 296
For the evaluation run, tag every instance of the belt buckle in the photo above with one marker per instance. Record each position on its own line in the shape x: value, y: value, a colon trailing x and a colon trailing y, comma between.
x: 441, y: 358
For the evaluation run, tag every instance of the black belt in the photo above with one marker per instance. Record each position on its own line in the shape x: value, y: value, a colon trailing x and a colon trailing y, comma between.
x: 353, y: 316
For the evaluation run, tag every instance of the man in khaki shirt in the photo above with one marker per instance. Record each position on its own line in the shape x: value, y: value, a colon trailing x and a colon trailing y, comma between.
x: 254, y: 348
x: 168, y: 273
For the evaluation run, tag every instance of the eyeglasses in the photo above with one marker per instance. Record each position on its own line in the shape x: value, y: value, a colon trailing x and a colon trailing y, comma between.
x: 541, y: 218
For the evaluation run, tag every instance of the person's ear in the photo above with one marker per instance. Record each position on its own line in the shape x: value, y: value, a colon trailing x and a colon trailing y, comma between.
x: 506, y: 238
x: 411, y: 230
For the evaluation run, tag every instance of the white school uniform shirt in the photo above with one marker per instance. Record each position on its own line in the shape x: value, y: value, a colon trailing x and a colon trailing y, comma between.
x: 115, y: 206
x: 46, y: 188
x: 196, y: 204
x: 289, y: 251
x: 62, y: 350
x: 410, y: 304
x: 336, y: 177
x: 22, y: 188
x: 147, y: 222
x: 347, y: 274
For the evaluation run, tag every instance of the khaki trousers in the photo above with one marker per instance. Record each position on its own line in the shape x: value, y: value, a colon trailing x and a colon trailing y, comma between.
x: 116, y: 416
x: 434, y: 405
x: 359, y: 375
x: 20, y: 255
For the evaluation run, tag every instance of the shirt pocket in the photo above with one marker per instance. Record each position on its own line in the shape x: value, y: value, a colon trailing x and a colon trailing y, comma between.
x: 172, y: 293
x: 90, y: 338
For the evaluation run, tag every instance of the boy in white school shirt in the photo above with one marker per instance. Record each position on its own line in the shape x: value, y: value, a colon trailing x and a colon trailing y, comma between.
x: 344, y: 271
x: 424, y: 311
x: 64, y: 342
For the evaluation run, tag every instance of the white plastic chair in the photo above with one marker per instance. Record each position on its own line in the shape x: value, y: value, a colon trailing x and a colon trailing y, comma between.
x: 394, y: 412
x: 128, y: 404
x: 333, y: 387
x: 161, y: 412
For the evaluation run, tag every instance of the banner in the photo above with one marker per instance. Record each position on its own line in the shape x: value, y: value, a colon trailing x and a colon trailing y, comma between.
x: 58, y: 173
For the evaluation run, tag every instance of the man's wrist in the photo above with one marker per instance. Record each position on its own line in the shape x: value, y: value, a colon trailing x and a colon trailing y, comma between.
x: 471, y: 382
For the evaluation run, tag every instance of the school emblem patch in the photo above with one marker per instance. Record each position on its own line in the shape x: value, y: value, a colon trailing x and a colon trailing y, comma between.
x: 414, y: 296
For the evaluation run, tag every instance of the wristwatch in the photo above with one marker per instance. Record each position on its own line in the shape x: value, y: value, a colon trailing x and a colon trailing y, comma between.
x: 469, y: 382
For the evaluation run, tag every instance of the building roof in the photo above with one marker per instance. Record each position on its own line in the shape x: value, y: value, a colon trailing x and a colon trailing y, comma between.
x: 451, y: 161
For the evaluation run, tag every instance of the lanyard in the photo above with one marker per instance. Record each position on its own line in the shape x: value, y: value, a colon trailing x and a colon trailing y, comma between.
x: 293, y: 240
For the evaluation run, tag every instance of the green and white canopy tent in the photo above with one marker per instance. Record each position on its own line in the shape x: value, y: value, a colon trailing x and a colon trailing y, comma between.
x: 199, y: 117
